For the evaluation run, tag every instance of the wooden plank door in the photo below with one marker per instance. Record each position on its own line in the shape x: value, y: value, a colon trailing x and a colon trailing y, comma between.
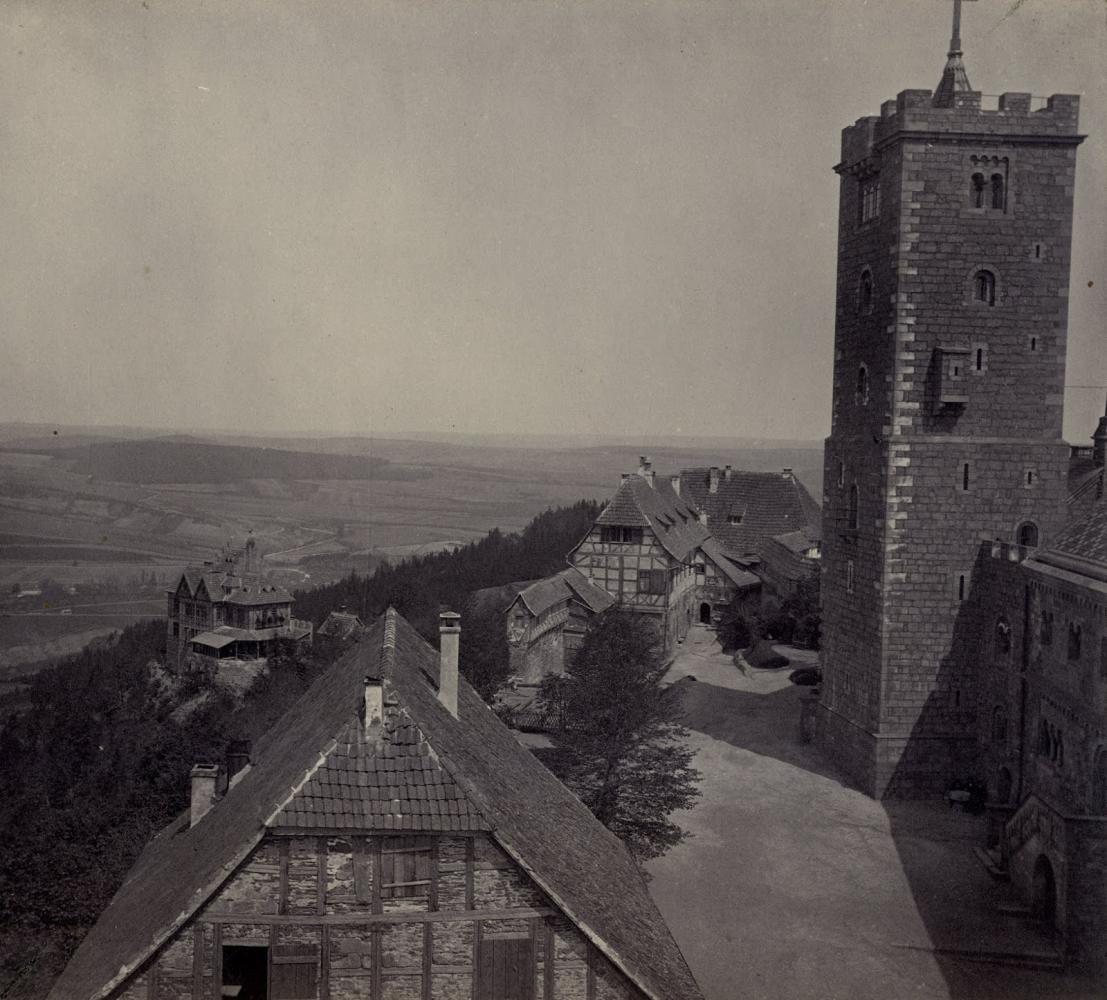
x: 506, y: 969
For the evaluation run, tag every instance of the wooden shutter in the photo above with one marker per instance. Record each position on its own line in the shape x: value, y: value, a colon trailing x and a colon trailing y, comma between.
x: 294, y: 972
x: 506, y: 969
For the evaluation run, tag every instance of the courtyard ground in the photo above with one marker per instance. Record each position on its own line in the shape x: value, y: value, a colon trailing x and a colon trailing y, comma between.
x: 795, y: 886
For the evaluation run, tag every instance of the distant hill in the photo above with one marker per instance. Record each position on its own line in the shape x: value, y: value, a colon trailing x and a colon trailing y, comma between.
x: 183, y: 461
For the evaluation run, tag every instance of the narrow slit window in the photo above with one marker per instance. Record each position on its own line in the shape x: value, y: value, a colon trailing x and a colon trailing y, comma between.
x: 854, y: 505
x: 980, y: 359
x: 1033, y: 343
x: 961, y: 587
x: 965, y: 477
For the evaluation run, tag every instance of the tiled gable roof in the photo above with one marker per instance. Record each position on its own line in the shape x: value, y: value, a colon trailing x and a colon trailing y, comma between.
x: 396, y: 784
x: 769, y: 504
x: 671, y: 516
x: 340, y: 625
x: 317, y: 765
x: 569, y: 584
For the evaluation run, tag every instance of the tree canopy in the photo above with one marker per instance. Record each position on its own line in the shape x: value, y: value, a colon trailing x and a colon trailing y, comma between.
x: 619, y: 738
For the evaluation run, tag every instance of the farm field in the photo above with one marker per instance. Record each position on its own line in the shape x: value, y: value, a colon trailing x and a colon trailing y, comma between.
x: 66, y: 524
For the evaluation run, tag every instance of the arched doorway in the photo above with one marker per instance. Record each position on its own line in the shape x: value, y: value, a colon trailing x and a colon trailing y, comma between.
x: 705, y: 613
x: 1043, y: 906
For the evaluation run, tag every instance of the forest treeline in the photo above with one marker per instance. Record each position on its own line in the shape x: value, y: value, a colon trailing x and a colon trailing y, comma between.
x: 99, y: 759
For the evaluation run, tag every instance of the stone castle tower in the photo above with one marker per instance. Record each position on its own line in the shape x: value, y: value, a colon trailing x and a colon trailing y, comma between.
x: 953, y: 271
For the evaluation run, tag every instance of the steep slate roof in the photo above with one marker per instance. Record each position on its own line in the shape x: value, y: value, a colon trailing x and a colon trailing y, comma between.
x: 673, y: 518
x: 569, y: 584
x: 315, y: 768
x: 241, y: 592
x: 770, y: 504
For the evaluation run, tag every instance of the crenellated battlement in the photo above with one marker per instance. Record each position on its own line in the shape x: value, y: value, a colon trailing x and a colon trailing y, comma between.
x: 913, y: 111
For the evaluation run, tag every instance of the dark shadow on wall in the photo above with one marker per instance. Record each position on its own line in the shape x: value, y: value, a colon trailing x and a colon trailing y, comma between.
x: 985, y: 945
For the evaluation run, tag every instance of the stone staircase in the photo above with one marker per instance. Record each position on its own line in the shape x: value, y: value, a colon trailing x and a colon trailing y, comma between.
x: 1025, y: 944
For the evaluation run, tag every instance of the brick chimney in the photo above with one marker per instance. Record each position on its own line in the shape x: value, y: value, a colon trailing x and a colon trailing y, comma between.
x: 645, y: 468
x: 205, y: 787
x: 787, y: 474
x: 238, y: 757
x: 703, y: 518
x: 674, y: 482
x: 374, y: 708
x: 713, y: 479
x: 726, y: 473
x: 449, y: 641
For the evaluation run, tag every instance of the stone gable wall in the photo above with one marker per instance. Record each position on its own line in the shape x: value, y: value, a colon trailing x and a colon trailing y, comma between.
x: 321, y: 893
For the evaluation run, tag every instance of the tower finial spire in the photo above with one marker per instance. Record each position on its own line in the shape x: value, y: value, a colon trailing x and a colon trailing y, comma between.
x: 954, y: 78
x: 955, y: 40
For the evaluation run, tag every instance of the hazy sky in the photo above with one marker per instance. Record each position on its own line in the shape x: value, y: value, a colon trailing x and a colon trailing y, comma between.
x: 519, y: 216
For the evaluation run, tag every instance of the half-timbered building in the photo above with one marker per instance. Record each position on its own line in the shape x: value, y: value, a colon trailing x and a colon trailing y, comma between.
x: 389, y: 840
x: 642, y: 549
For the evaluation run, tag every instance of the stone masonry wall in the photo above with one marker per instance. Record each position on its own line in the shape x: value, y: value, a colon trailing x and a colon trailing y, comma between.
x: 317, y: 900
x: 894, y: 640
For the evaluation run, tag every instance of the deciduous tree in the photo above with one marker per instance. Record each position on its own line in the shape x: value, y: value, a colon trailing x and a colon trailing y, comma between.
x: 621, y: 744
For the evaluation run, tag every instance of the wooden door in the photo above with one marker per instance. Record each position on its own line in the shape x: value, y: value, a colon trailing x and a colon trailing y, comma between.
x: 506, y: 969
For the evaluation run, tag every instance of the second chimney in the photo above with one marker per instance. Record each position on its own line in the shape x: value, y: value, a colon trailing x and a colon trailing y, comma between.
x: 374, y: 707
x: 674, y: 481
x: 713, y: 479
x: 205, y: 786
x: 449, y: 641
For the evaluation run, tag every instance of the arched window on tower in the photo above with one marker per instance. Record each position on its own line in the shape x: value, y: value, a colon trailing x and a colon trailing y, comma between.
x: 865, y: 292
x: 1003, y: 637
x: 862, y: 385
x: 1028, y: 534
x: 977, y: 190
x: 852, y: 511
x: 984, y: 287
x: 999, y: 187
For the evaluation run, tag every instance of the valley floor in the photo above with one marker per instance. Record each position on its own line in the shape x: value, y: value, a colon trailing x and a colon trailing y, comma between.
x: 795, y: 886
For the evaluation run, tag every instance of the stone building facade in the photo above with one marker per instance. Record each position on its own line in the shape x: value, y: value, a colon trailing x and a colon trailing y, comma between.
x: 953, y: 267
x: 390, y: 840
x: 546, y: 623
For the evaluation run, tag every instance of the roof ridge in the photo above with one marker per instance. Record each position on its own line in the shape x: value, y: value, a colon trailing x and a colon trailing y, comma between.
x: 388, y: 642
